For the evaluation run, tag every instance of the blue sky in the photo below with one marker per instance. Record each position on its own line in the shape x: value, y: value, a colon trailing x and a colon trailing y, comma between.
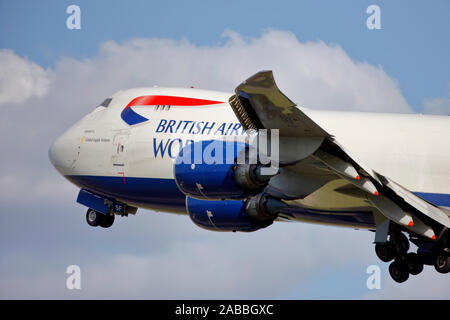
x: 56, y: 75
x: 412, y: 46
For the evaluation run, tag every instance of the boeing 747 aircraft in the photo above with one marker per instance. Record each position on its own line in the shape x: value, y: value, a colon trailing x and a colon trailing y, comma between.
x: 191, y: 151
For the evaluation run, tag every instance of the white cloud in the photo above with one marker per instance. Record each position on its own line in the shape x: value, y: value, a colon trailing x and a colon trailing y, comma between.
x: 313, y: 74
x: 440, y: 105
x: 20, y: 79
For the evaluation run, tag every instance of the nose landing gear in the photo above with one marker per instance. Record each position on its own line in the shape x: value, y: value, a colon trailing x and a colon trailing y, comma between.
x: 102, y: 210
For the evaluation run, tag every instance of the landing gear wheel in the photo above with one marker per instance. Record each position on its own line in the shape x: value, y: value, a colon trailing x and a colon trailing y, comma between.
x: 414, y: 263
x: 93, y: 218
x: 385, y: 251
x: 106, y: 221
x: 399, y: 271
x: 442, y: 263
x: 401, y: 243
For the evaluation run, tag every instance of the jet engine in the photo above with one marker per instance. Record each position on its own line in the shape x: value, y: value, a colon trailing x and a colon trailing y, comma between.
x: 210, y: 170
x: 245, y: 215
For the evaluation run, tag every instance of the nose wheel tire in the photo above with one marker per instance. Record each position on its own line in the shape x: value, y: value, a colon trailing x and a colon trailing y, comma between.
x: 399, y: 271
x: 93, y: 218
x: 107, y: 221
x: 442, y: 263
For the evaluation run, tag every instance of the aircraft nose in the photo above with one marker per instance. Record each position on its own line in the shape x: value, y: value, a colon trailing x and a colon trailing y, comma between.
x: 55, y: 153
x: 61, y: 153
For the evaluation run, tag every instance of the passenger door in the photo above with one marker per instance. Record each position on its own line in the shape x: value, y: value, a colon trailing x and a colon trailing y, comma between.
x: 119, y: 152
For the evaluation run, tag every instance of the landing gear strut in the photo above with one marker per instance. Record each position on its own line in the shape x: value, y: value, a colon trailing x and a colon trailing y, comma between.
x: 95, y: 218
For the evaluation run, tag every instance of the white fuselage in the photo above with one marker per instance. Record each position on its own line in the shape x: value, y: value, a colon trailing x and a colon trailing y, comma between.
x: 412, y: 149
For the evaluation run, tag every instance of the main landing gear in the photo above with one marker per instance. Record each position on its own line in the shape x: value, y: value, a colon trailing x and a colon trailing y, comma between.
x: 95, y: 218
x: 442, y: 262
x: 406, y: 263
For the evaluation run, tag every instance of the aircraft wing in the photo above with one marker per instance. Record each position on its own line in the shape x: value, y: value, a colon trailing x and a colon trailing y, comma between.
x: 339, y: 176
x: 259, y: 104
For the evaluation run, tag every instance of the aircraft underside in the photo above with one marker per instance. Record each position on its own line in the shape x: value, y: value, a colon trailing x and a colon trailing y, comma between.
x: 164, y: 195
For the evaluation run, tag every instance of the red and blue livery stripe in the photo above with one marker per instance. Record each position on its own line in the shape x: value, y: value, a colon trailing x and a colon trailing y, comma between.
x: 131, y: 117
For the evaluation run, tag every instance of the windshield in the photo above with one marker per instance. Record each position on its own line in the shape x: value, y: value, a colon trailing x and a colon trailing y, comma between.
x: 106, y: 103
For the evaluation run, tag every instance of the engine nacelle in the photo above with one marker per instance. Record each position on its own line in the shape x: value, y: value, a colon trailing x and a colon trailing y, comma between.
x: 234, y: 215
x: 209, y: 170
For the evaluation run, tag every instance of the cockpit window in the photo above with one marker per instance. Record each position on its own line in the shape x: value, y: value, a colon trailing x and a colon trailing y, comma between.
x: 106, y: 103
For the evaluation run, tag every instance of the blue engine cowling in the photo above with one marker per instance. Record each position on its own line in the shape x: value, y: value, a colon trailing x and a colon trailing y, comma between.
x: 220, y: 215
x: 207, y: 170
x: 247, y: 215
